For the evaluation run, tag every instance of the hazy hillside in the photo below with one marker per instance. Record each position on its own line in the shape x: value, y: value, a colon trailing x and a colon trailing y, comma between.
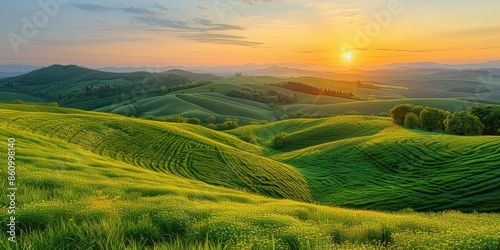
x: 89, y: 89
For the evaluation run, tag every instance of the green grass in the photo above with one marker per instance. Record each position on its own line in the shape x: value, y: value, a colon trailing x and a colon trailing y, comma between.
x: 6, y: 96
x: 369, y: 162
x: 378, y: 106
x: 199, y: 105
x: 200, y: 102
x: 166, y: 147
x: 72, y: 198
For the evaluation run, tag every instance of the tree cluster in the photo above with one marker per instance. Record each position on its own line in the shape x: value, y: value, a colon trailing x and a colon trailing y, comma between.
x: 308, y: 89
x: 476, y: 120
x: 280, y: 140
x: 270, y: 96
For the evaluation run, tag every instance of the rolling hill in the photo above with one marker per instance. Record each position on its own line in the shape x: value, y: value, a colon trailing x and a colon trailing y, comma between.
x: 369, y: 162
x: 166, y: 147
x: 88, y: 89
x: 90, y: 180
x: 202, y: 95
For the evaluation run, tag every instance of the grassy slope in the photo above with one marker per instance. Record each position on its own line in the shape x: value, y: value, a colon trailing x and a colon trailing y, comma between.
x: 199, y: 102
x: 199, y: 105
x: 168, y: 148
x: 368, y: 162
x: 378, y: 106
x: 71, y: 198
x: 7, y: 96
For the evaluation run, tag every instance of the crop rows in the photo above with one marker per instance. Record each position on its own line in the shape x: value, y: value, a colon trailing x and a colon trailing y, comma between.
x: 172, y: 149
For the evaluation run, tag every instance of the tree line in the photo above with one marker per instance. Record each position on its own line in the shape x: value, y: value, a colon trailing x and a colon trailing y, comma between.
x: 476, y: 120
x: 308, y: 89
x: 270, y: 96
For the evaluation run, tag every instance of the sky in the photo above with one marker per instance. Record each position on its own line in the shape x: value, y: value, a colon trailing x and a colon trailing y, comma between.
x: 335, y: 33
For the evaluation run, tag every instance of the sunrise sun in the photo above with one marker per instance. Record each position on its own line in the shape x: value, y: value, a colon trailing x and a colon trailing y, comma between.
x: 347, y: 56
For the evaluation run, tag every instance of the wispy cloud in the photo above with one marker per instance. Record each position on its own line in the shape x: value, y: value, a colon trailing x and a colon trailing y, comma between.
x: 101, y: 8
x: 198, y: 24
x: 160, y: 7
x: 198, y: 29
x: 221, y: 39
x: 254, y: 2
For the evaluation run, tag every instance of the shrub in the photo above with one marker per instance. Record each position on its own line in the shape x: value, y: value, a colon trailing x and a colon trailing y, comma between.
x: 463, y: 123
x: 211, y: 126
x: 352, y: 113
x: 211, y: 119
x: 398, y: 113
x: 279, y: 140
x: 150, y: 117
x: 249, y: 136
x: 176, y: 119
x: 411, y: 120
x: 433, y: 118
x: 195, y: 121
x: 489, y: 115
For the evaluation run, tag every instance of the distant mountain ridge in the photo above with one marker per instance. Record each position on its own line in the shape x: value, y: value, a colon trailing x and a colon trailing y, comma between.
x: 433, y: 65
x: 277, y: 69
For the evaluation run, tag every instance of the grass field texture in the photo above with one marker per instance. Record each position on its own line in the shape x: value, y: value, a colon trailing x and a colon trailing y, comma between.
x: 80, y: 188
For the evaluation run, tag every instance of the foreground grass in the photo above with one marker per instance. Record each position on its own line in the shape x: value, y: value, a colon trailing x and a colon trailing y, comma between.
x: 70, y: 198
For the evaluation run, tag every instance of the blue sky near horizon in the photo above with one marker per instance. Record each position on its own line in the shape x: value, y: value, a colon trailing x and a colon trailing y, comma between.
x: 230, y: 32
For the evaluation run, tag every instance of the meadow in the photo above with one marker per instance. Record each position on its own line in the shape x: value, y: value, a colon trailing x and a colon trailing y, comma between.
x: 90, y: 180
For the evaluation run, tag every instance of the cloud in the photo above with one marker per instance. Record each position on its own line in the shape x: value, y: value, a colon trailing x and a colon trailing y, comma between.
x: 254, y: 2
x: 220, y: 39
x: 198, y: 24
x: 101, y: 8
x: 200, y: 29
x: 160, y: 7
x: 203, y: 8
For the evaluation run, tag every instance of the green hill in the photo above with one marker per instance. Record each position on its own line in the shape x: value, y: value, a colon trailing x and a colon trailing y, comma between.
x: 165, y: 147
x: 89, y: 180
x: 369, y: 162
x: 89, y: 89
x: 199, y: 105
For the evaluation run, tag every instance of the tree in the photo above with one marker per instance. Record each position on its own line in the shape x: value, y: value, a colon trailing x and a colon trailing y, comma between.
x: 54, y: 104
x: 163, y: 89
x: 280, y: 140
x: 398, y: 113
x: 249, y: 136
x: 489, y: 115
x: 433, y: 118
x: 195, y: 121
x: 211, y: 119
x: 463, y: 123
x: 411, y: 120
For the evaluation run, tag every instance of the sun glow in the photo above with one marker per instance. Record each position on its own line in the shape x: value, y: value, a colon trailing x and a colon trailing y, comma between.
x: 347, y: 56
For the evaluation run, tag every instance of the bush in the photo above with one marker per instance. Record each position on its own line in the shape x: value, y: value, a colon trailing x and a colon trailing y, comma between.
x: 249, y: 136
x: 489, y: 115
x: 176, y: 119
x: 384, y: 114
x: 195, y: 121
x: 211, y: 119
x: 211, y: 126
x: 433, y: 118
x: 411, y: 120
x: 398, y: 113
x: 352, y: 113
x: 150, y: 117
x: 463, y: 123
x: 279, y: 140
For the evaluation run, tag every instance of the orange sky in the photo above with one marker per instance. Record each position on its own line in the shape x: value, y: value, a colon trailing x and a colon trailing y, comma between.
x: 235, y: 32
